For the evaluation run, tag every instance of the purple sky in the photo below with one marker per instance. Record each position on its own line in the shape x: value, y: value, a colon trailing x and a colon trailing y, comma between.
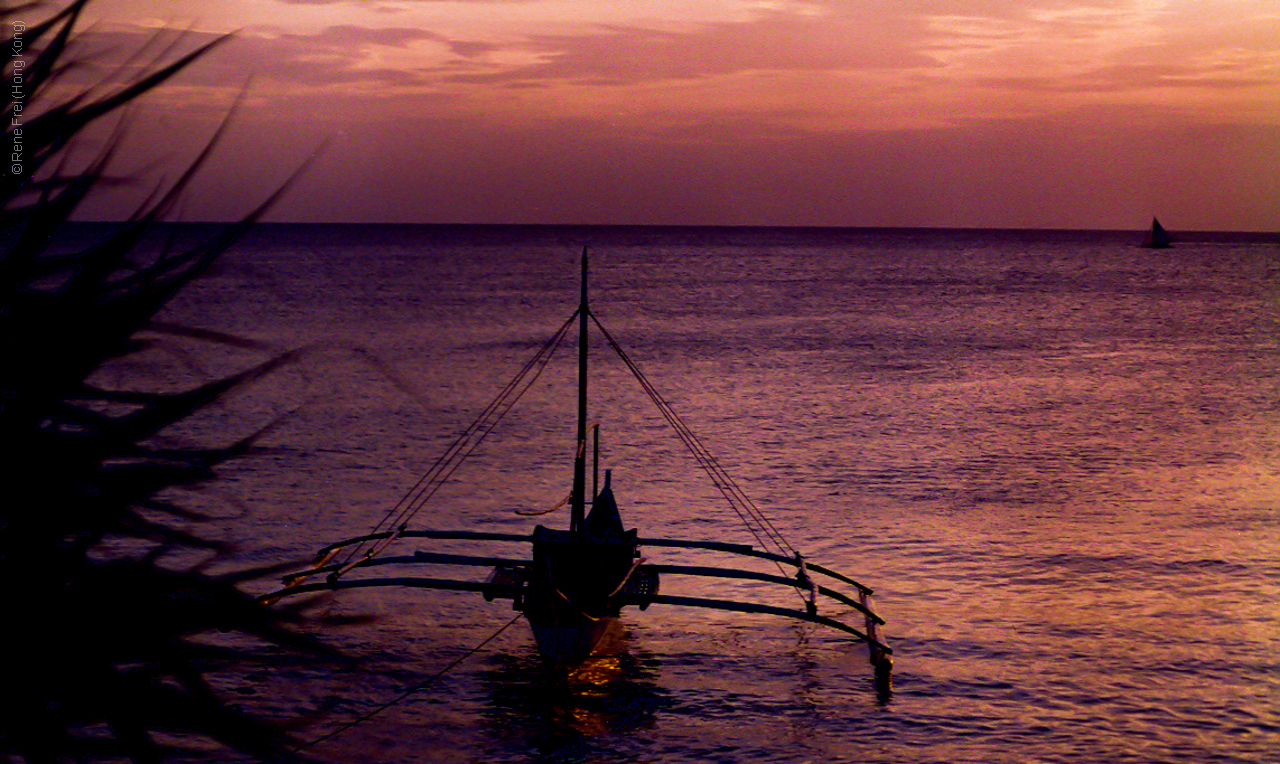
x: 828, y: 112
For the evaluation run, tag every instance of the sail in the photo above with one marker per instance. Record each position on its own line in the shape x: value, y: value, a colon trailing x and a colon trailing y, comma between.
x: 604, y: 519
x: 1157, y: 237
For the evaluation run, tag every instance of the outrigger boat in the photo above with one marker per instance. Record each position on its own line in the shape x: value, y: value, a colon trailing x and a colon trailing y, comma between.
x: 575, y: 582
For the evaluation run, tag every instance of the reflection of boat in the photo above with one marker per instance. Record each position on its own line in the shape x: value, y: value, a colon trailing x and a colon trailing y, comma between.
x: 575, y: 582
x: 556, y: 711
x: 1157, y: 237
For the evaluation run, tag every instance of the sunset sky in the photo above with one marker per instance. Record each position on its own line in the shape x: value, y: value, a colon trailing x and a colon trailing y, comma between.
x: 972, y: 113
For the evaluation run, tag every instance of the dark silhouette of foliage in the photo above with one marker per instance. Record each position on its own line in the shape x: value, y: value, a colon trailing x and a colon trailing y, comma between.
x: 109, y: 595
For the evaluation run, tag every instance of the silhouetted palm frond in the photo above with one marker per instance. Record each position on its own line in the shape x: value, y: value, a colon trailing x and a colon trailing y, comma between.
x: 104, y: 636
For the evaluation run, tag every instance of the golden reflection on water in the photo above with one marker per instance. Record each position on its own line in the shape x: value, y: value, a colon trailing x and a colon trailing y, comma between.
x: 596, y: 672
x: 560, y: 710
x: 591, y: 679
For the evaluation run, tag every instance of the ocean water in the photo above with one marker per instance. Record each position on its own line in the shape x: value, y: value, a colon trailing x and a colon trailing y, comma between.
x: 1055, y: 456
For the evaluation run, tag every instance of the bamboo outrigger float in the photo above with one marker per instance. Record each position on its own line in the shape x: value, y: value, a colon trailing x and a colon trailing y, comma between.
x: 575, y: 582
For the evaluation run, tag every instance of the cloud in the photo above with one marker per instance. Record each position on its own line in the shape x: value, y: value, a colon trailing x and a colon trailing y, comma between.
x: 1123, y: 78
x: 392, y: 56
x: 772, y: 42
x: 334, y: 56
x: 817, y: 112
x: 349, y: 36
x: 818, y: 66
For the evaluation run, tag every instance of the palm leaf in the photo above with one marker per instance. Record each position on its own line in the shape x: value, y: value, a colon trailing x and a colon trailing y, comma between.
x: 108, y: 624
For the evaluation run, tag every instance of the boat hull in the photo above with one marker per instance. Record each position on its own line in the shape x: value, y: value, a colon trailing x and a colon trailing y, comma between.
x: 572, y: 599
x: 571, y: 643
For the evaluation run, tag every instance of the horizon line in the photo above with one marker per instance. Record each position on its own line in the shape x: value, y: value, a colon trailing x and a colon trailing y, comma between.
x: 737, y: 226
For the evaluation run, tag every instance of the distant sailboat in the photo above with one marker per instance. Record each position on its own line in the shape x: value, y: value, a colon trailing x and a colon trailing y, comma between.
x: 1157, y: 237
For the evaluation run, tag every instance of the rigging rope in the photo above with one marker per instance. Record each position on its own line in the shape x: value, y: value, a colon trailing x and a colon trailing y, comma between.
x: 757, y: 523
x: 540, y: 512
x: 417, y: 496
x: 761, y: 528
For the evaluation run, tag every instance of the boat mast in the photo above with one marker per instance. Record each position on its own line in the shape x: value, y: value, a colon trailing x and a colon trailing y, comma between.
x: 579, y: 502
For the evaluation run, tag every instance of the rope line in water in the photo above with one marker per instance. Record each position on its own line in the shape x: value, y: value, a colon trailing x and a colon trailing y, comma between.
x: 399, y: 698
